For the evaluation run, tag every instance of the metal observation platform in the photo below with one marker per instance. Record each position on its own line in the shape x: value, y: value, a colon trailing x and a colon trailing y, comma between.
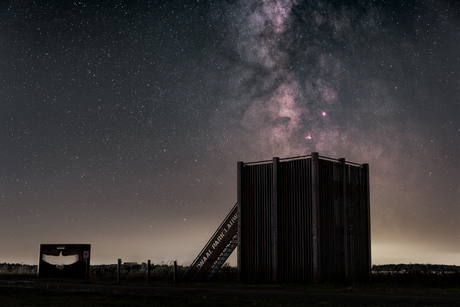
x: 300, y: 219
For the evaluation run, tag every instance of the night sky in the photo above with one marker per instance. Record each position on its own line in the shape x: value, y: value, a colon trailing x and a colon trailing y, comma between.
x: 122, y: 121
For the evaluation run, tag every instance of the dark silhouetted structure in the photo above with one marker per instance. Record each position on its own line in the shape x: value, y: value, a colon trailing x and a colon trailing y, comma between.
x: 303, y: 219
x: 64, y: 260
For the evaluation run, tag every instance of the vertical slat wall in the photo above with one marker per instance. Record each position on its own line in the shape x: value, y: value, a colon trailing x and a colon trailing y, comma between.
x: 255, y: 211
x: 294, y: 221
x: 343, y: 226
x: 330, y: 221
x: 358, y: 218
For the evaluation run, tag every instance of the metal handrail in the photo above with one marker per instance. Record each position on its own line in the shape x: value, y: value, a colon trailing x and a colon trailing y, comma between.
x: 302, y: 157
x: 194, y: 263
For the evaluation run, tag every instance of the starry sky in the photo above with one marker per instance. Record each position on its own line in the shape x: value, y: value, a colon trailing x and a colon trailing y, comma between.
x: 122, y: 121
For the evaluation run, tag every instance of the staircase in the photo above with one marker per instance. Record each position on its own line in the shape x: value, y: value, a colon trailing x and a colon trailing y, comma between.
x: 216, y: 251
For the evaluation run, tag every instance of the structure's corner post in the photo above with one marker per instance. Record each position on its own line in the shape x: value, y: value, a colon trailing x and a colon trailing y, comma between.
x: 368, y: 211
x: 274, y: 220
x: 314, y: 214
x: 87, y: 257
x: 239, y: 197
x: 344, y: 218
x: 119, y: 271
x: 148, y: 271
x: 40, y: 258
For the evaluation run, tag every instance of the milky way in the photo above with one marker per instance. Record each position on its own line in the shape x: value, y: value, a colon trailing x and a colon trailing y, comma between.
x: 122, y: 123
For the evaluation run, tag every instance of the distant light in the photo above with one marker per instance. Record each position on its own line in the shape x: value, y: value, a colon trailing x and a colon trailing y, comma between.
x: 308, y: 137
x: 324, y: 113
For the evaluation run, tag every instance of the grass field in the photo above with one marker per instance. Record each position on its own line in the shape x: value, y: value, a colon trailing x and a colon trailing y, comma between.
x: 28, y: 296
x: 26, y: 290
x: 407, y: 286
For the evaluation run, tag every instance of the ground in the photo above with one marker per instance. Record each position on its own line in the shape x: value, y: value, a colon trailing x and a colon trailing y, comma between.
x: 49, y: 292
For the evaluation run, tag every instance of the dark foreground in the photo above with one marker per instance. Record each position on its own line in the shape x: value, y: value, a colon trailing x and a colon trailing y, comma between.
x: 74, y: 293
